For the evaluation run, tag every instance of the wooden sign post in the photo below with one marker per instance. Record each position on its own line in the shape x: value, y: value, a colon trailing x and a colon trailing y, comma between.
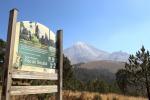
x: 32, y: 53
x: 7, y: 79
x: 60, y: 63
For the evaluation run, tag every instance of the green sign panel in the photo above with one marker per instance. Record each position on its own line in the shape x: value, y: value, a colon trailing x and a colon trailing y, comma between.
x: 36, y: 47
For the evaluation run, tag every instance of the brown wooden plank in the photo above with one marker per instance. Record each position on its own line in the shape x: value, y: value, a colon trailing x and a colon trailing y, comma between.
x: 60, y: 62
x: 18, y: 74
x: 24, y: 90
x: 9, y: 54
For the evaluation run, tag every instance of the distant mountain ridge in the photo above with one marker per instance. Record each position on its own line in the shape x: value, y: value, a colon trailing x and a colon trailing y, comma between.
x: 82, y: 52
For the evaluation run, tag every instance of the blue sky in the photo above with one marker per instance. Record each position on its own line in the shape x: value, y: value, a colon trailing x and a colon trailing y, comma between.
x: 110, y: 25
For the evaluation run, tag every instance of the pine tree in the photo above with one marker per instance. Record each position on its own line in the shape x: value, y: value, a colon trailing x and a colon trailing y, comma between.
x: 137, y: 70
x: 121, y: 78
x: 68, y: 75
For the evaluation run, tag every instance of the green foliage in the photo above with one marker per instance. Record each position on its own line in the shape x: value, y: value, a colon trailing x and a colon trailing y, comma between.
x: 68, y: 75
x: 72, y: 81
x: 136, y: 72
x: 35, y: 39
x: 2, y: 43
x: 97, y: 86
x: 85, y: 74
x: 2, y: 56
x: 121, y: 78
x: 2, y: 51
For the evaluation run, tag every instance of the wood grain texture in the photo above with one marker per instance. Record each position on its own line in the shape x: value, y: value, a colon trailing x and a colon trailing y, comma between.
x: 18, y: 74
x: 7, y: 80
x: 25, y: 90
x: 60, y: 63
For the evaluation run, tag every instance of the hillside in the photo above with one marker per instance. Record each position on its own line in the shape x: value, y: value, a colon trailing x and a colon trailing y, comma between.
x: 111, y: 66
x: 103, y: 70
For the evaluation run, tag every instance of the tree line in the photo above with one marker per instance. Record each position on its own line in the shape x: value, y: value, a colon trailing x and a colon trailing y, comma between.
x: 70, y: 81
x: 133, y: 79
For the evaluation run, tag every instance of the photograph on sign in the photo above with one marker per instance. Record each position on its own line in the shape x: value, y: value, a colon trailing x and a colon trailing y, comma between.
x: 35, y: 48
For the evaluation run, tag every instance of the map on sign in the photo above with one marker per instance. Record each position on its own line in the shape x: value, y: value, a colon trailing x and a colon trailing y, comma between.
x: 35, y: 48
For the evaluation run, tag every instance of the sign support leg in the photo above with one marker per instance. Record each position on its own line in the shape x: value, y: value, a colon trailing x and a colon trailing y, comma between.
x: 7, y: 79
x: 60, y: 63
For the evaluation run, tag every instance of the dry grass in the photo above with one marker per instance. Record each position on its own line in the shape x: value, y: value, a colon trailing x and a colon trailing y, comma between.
x: 69, y: 95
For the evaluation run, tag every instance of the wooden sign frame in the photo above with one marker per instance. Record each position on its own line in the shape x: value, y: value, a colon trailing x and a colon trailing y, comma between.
x: 10, y: 73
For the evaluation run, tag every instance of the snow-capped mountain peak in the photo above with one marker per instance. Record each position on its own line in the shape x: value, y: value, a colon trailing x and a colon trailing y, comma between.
x: 79, y: 43
x: 83, y: 52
